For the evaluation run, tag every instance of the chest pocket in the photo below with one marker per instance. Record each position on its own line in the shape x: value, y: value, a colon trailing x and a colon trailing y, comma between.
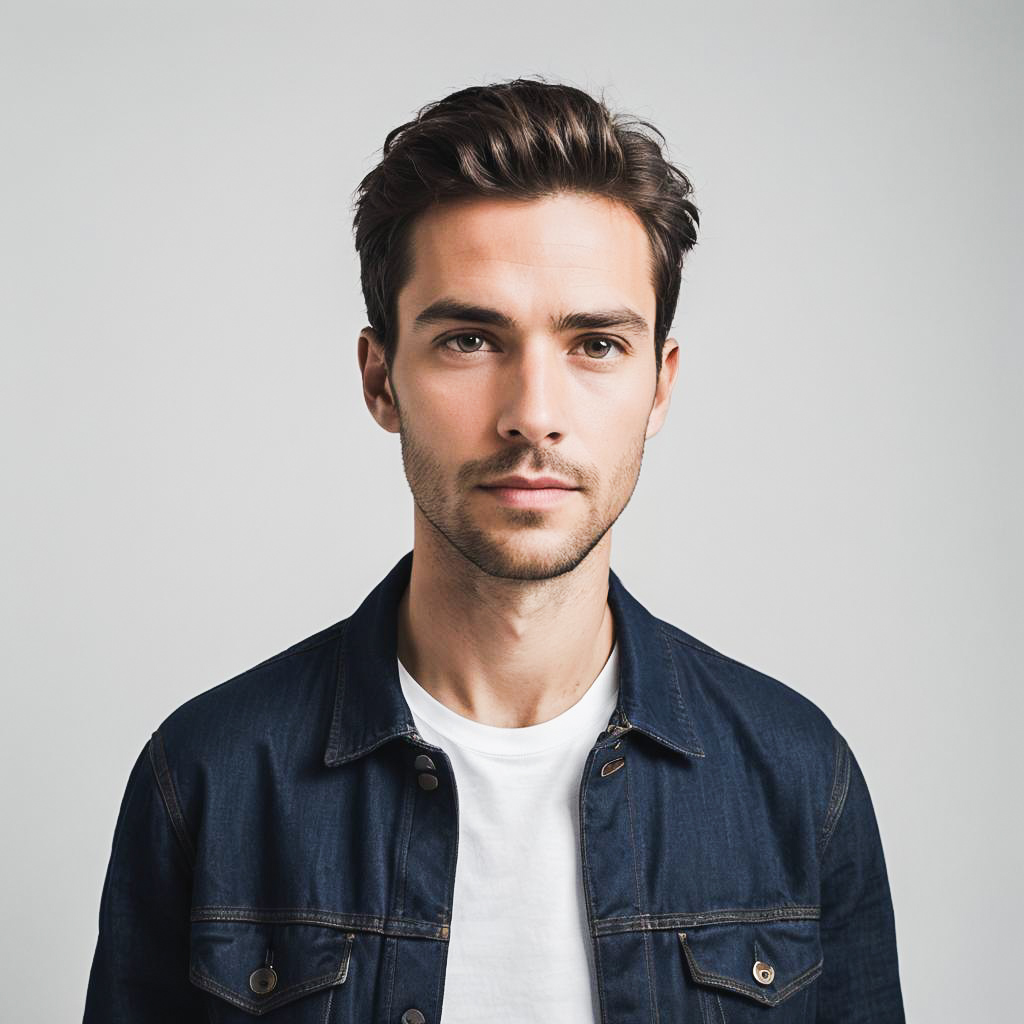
x: 290, y: 971
x: 755, y: 970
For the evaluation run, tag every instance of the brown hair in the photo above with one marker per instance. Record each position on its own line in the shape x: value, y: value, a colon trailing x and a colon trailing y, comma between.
x: 522, y: 139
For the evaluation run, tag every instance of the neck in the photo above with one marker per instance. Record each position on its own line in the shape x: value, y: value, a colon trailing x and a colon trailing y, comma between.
x: 503, y: 652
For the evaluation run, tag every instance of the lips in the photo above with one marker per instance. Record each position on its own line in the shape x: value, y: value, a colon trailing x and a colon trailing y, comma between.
x: 531, y: 483
x: 537, y: 494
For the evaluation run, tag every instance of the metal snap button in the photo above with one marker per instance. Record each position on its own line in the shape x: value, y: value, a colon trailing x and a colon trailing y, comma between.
x: 427, y: 781
x: 263, y: 980
x: 422, y: 763
x: 413, y: 1016
x: 612, y: 766
x: 763, y: 973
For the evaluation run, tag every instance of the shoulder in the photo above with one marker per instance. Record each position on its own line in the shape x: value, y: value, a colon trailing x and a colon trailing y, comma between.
x: 283, y: 694
x: 749, y: 712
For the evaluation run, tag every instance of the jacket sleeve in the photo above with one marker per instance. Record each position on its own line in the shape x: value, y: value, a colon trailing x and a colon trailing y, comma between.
x: 141, y: 963
x: 860, y: 981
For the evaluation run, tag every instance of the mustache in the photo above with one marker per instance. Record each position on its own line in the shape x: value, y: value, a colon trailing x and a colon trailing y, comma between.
x: 537, y: 463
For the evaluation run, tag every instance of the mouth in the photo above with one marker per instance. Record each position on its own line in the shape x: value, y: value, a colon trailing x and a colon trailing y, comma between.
x: 529, y: 497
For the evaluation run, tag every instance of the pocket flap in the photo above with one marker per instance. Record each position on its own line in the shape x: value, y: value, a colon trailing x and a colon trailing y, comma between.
x: 258, y: 966
x: 764, y: 960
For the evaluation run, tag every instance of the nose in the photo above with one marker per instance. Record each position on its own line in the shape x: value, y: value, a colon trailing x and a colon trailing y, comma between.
x: 533, y: 396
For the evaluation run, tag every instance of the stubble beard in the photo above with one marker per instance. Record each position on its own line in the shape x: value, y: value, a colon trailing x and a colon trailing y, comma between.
x: 498, y: 553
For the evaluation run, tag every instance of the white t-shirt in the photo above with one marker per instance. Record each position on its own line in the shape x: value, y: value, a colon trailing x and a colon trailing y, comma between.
x: 519, y: 945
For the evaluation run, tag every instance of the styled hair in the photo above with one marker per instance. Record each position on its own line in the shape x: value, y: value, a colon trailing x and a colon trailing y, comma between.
x: 522, y: 139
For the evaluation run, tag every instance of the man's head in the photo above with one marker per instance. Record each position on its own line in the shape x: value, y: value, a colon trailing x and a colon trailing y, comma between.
x: 521, y: 251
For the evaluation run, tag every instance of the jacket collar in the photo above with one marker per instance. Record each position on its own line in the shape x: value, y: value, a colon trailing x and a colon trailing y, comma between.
x: 369, y: 708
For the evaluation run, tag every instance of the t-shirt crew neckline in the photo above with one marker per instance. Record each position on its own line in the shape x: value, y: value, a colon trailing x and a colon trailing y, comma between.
x: 514, y: 742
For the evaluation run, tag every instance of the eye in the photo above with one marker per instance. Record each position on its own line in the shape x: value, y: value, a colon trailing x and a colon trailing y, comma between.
x: 460, y: 338
x: 608, y: 342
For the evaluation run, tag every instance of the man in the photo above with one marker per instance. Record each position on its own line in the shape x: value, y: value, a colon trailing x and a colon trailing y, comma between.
x: 502, y: 787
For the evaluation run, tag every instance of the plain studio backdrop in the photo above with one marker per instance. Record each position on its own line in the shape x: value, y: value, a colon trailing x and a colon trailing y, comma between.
x: 192, y: 482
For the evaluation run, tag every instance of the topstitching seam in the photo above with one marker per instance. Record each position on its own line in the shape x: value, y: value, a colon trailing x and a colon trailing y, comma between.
x: 162, y: 771
x: 837, y: 799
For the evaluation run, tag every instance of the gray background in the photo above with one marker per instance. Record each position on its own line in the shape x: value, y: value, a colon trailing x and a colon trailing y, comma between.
x: 192, y: 482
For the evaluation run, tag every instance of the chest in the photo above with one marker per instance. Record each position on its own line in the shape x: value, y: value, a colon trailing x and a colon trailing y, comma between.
x: 692, y: 894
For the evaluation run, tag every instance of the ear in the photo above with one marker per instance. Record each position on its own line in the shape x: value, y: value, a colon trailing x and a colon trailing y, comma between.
x: 377, y: 393
x: 663, y: 391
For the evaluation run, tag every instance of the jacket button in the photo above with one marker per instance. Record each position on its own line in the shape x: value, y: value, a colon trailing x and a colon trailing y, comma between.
x: 263, y: 980
x: 764, y: 973
x: 427, y: 781
x: 413, y: 1017
x: 422, y: 763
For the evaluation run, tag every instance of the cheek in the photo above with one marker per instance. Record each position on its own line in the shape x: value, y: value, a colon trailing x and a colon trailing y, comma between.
x: 612, y: 418
x: 446, y: 418
x: 614, y: 444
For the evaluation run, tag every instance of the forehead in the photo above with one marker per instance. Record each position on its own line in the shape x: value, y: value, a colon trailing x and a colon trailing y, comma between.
x: 530, y: 254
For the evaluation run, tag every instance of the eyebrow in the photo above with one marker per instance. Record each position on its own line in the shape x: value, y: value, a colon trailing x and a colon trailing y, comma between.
x: 454, y: 309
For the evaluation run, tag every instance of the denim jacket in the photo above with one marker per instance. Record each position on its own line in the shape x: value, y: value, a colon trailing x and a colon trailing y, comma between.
x: 277, y: 852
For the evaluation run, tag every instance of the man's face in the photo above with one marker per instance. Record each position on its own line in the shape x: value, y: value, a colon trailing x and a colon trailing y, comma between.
x: 508, y: 390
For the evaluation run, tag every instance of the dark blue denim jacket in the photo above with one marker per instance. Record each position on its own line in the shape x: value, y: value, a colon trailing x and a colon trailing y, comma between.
x: 276, y: 853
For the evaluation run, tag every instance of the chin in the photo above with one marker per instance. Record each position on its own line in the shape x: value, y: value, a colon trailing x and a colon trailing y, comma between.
x: 522, y: 558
